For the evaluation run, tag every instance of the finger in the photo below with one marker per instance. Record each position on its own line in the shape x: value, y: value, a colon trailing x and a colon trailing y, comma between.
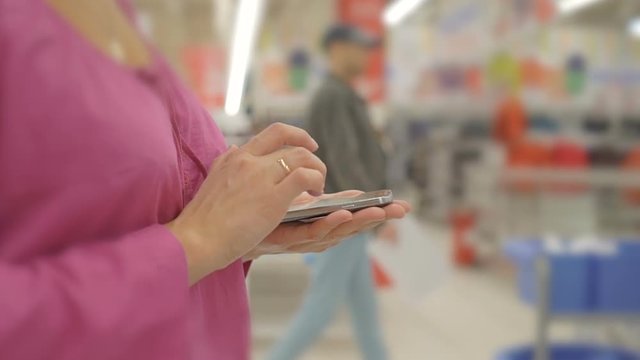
x: 306, y: 197
x: 294, y: 158
x: 303, y: 198
x: 299, y: 181
x: 368, y: 219
x: 306, y: 248
x: 361, y: 219
x: 345, y: 194
x: 369, y: 214
x: 372, y: 225
x: 318, y: 246
x: 312, y: 232
x: 323, y: 226
x: 405, y: 205
x: 278, y: 135
x: 394, y: 211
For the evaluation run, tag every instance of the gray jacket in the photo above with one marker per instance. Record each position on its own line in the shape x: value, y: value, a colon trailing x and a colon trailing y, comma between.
x: 338, y: 120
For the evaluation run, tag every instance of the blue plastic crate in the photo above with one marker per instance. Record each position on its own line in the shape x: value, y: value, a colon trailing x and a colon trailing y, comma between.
x: 617, y: 286
x: 571, y: 352
x: 581, y: 283
x: 570, y: 286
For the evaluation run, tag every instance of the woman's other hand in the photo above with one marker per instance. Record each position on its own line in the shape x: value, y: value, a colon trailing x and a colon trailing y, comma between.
x: 328, y: 231
x: 246, y: 195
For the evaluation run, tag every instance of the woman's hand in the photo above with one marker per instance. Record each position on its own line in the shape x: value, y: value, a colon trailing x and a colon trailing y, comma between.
x: 326, y: 232
x: 245, y: 197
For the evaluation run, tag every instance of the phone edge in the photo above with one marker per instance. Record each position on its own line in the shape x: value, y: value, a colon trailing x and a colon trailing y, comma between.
x: 359, y: 205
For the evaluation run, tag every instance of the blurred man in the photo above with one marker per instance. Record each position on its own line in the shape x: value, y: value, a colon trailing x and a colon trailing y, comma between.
x: 339, y: 121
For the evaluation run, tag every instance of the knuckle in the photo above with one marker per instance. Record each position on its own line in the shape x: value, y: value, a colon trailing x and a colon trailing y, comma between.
x: 318, y: 178
x: 257, y: 140
x: 300, y: 176
x: 303, y: 132
x: 302, y: 153
x: 244, y: 160
x: 277, y: 127
x: 306, y: 178
x: 323, y: 167
x: 230, y: 158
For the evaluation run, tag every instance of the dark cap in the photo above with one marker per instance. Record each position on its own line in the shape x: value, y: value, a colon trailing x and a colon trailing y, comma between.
x: 349, y: 34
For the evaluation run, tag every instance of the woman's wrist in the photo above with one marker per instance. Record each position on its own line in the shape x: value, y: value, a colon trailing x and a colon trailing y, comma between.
x: 201, y: 261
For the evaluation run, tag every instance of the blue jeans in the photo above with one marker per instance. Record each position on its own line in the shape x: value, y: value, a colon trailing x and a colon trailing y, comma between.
x: 341, y: 275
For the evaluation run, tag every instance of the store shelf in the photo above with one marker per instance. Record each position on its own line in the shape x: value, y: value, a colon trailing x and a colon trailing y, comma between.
x: 615, y: 178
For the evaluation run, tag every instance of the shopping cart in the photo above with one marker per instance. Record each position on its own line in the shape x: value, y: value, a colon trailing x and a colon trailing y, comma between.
x: 589, y: 227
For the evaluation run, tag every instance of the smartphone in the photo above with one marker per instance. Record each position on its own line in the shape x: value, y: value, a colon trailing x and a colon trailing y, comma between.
x: 317, y: 209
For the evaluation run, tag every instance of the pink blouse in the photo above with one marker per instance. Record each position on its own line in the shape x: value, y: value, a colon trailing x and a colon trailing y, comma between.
x: 93, y: 157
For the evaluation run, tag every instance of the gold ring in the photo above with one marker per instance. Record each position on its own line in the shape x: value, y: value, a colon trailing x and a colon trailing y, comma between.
x: 284, y: 165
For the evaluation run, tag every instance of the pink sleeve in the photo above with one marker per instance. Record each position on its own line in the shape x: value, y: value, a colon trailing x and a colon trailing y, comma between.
x: 120, y: 299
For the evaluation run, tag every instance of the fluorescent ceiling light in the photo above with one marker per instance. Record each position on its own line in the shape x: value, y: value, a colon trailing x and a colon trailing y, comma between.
x: 634, y: 27
x: 399, y: 10
x: 569, y: 6
x: 244, y: 35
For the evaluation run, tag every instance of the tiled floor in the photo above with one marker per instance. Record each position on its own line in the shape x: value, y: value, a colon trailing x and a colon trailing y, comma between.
x: 472, y: 315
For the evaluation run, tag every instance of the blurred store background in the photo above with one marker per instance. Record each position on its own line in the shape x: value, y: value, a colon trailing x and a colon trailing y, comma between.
x: 515, y: 132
